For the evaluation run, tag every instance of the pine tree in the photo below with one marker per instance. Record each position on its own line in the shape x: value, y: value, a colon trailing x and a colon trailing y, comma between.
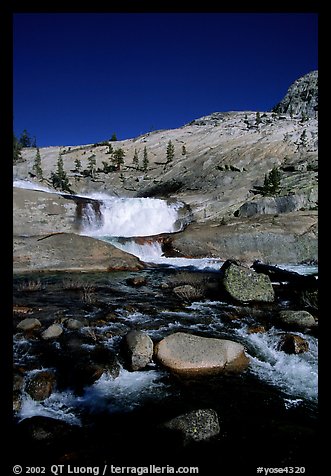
x: 135, y: 159
x: 91, y: 167
x: 183, y: 150
x: 119, y: 158
x: 37, y: 165
x: 78, y: 165
x: 113, y: 138
x: 17, y: 147
x: 59, y: 178
x: 271, y: 183
x: 170, y: 152
x: 145, y: 160
x: 110, y: 149
x: 303, y: 139
x: 258, y: 119
x: 26, y: 140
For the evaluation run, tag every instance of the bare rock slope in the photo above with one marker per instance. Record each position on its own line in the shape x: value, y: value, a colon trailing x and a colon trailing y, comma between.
x: 218, y: 168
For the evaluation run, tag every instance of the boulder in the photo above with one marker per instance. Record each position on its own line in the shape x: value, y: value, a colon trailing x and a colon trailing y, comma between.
x: 245, y: 285
x: 195, y: 426
x: 293, y: 344
x: 139, y: 349
x: 29, y: 324
x: 45, y: 429
x: 256, y: 330
x: 190, y: 355
x: 74, y: 324
x: 40, y: 385
x: 297, y: 319
x: 52, y: 332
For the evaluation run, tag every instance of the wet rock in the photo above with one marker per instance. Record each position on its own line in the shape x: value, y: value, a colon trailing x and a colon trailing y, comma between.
x: 190, y: 355
x: 297, y: 319
x: 18, y: 380
x: 41, y: 385
x: 293, y: 344
x: 107, y: 359
x: 18, y: 384
x: 188, y: 292
x: 74, y: 324
x: 29, y: 324
x: 139, y: 349
x: 44, y: 429
x: 256, y: 330
x: 52, y: 332
x: 17, y: 401
x: 195, y: 426
x: 245, y: 285
x: 85, y: 374
x: 137, y: 281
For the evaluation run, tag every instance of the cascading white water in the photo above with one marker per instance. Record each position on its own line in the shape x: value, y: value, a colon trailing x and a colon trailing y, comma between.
x: 129, y: 217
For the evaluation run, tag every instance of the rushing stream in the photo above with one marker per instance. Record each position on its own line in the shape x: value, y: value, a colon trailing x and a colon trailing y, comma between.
x: 275, y: 399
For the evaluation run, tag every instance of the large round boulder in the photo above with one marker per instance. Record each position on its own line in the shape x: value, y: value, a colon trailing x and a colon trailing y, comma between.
x: 191, y: 355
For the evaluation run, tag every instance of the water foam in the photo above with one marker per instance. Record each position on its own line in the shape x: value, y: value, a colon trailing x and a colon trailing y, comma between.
x: 127, y: 392
x: 129, y: 217
x: 295, y: 374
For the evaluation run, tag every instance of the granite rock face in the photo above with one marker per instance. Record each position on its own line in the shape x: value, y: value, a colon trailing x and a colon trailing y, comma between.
x: 302, y: 97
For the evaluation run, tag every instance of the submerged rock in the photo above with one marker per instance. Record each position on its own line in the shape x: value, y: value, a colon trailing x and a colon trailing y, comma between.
x: 245, y: 285
x: 191, y: 355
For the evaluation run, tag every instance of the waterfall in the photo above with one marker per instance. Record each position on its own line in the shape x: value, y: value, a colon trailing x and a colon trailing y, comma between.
x: 130, y: 217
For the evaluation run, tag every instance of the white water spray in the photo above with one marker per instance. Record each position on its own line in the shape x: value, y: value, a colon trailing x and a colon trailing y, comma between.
x: 129, y: 217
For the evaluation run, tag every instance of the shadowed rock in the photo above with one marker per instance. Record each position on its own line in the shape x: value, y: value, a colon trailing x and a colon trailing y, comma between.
x: 195, y: 426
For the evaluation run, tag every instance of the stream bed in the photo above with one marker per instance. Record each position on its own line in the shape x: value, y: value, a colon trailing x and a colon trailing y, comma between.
x: 268, y: 414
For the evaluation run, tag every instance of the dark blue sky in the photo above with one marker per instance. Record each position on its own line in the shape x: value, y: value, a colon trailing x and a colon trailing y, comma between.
x: 79, y: 78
